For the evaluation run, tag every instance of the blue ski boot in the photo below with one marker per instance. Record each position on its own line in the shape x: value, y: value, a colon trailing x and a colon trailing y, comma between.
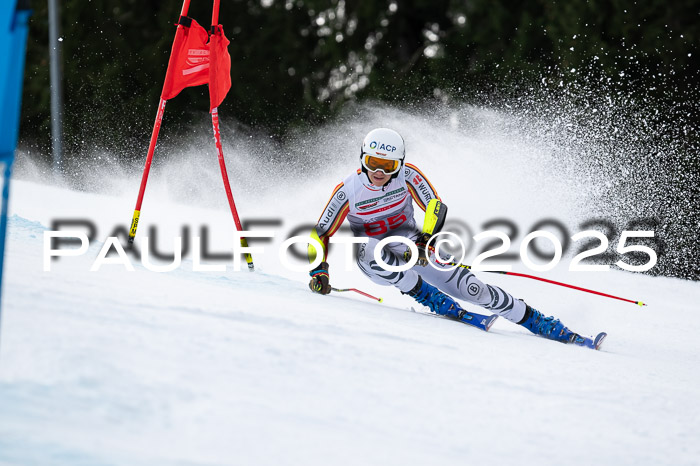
x: 553, y: 329
x: 436, y: 300
x: 442, y: 304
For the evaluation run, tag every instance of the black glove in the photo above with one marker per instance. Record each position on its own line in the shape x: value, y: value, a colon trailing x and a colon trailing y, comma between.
x: 421, y: 243
x: 319, y: 279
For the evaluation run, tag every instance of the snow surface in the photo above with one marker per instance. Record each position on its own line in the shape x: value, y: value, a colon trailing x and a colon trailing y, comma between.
x: 205, y: 368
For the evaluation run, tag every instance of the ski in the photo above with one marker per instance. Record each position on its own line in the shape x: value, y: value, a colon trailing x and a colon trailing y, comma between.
x: 589, y: 342
x: 477, y: 320
x: 595, y: 343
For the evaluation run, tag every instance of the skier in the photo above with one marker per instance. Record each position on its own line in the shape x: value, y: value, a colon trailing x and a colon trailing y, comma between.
x: 377, y: 201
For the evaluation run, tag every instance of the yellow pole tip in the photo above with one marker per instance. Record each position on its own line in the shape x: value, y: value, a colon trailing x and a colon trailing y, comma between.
x: 381, y: 300
x: 641, y: 303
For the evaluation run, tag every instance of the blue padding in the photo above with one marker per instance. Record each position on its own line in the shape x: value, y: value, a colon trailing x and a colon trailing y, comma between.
x: 14, y: 26
x: 13, y: 42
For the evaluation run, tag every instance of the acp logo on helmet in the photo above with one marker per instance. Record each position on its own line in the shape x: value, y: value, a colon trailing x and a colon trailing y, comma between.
x: 380, y: 146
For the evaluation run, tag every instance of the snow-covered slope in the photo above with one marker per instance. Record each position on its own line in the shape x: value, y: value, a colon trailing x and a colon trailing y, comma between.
x: 185, y: 367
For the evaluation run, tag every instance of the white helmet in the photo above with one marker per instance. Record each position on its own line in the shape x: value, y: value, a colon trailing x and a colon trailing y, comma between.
x: 382, y: 144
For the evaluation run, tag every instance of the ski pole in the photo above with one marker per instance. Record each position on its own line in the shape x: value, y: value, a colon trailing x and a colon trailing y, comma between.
x: 639, y: 303
x: 360, y: 292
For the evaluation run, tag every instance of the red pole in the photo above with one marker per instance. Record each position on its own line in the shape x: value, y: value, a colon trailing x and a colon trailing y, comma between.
x: 147, y: 168
x: 185, y: 7
x: 575, y: 287
x: 639, y: 303
x: 227, y: 185
x: 151, y: 150
x: 360, y: 292
x: 215, y: 13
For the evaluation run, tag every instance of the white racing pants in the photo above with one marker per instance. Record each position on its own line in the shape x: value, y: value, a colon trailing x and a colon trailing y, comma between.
x: 457, y: 282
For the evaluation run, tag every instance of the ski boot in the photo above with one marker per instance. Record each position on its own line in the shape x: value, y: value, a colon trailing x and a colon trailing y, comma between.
x: 442, y: 304
x: 553, y: 329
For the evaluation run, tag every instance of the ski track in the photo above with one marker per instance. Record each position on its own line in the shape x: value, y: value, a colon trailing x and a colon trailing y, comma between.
x: 185, y: 368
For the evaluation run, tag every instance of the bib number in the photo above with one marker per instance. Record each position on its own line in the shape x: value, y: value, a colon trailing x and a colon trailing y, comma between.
x: 382, y: 226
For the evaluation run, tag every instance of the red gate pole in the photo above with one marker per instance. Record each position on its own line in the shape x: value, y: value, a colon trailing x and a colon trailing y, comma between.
x: 215, y: 13
x: 220, y: 151
x: 151, y: 150
x: 227, y: 185
x: 147, y: 169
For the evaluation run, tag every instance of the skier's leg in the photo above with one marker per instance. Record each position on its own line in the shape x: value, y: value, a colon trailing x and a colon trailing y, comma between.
x: 404, y: 281
x: 549, y: 327
x: 408, y: 282
x: 424, y: 284
x: 463, y: 284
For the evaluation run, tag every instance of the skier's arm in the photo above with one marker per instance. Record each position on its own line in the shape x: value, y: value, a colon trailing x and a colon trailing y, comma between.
x: 330, y: 220
x: 425, y: 195
x: 432, y: 224
x: 332, y: 217
x: 420, y: 188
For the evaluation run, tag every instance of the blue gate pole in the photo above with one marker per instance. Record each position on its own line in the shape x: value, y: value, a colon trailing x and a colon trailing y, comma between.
x: 14, y: 26
x: 7, y: 173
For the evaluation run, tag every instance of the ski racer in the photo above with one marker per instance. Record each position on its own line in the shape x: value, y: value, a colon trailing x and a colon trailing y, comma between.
x: 377, y: 201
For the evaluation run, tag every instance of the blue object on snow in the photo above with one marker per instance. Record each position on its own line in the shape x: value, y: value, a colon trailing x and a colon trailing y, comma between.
x: 436, y: 300
x: 443, y: 304
x: 548, y: 327
x: 14, y: 26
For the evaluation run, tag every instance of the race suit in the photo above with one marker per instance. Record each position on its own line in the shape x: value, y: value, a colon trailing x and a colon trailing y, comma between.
x: 377, y: 212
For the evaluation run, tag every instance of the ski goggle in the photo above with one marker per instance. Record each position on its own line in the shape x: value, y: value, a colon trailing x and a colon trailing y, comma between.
x: 388, y: 166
